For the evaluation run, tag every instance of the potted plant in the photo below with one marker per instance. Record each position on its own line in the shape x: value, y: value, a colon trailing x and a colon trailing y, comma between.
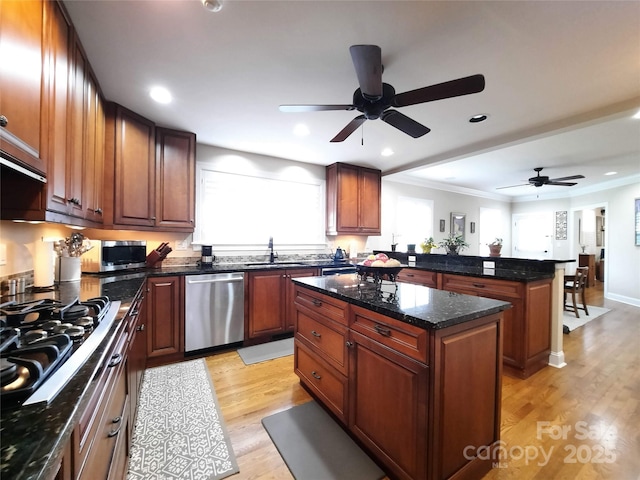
x: 454, y: 244
x: 495, y: 247
x: 428, y: 244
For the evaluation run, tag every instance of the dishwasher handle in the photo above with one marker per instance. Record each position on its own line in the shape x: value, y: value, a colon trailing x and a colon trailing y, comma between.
x: 216, y: 280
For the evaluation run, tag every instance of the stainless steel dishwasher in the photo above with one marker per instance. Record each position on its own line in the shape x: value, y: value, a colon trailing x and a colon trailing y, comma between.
x: 214, y: 310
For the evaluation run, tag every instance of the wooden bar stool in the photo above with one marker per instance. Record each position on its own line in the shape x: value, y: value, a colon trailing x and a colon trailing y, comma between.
x: 576, y: 285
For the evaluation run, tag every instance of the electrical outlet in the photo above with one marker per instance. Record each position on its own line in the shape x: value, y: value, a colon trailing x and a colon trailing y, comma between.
x: 3, y: 254
x: 488, y: 264
x: 182, y: 245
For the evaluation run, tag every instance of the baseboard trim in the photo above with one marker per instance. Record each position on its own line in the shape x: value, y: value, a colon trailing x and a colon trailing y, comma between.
x: 556, y: 359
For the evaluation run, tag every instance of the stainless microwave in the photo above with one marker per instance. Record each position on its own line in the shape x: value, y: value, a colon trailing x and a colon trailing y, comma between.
x: 112, y: 255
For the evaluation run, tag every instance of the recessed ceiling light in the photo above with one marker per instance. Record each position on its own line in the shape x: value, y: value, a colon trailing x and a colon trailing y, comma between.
x: 212, y: 5
x: 481, y: 117
x: 160, y: 94
x: 301, y: 130
x: 637, y: 115
x: 387, y: 152
x: 611, y: 173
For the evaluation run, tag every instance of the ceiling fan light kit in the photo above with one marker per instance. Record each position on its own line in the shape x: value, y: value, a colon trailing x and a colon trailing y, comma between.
x: 375, y: 99
x: 212, y: 5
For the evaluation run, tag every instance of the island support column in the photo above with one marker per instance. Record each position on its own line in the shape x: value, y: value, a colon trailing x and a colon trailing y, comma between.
x: 556, y: 357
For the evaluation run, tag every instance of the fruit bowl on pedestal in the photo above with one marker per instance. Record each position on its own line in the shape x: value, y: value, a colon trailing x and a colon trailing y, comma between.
x: 379, y: 267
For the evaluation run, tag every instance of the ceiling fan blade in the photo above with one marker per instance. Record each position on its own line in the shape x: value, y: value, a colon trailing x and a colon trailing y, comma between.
x: 452, y: 88
x: 513, y: 186
x: 564, y: 184
x: 572, y: 177
x: 314, y: 108
x: 349, y: 129
x: 404, y: 123
x: 367, y: 60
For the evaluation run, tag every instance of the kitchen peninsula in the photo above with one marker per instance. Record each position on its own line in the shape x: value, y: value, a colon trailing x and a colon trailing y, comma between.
x: 413, y: 372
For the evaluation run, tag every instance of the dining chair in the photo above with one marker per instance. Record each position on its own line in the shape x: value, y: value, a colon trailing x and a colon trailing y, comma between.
x: 576, y: 286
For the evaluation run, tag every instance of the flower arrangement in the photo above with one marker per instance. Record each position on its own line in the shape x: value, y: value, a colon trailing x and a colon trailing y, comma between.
x: 428, y: 244
x: 453, y: 244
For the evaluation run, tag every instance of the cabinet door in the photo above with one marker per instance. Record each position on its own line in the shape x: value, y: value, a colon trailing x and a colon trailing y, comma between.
x: 134, y: 183
x: 290, y: 294
x: 175, y: 179
x: 165, y: 317
x: 77, y: 132
x: 393, y: 426
x: 266, y: 303
x: 58, y: 62
x: 93, y: 176
x: 369, y: 201
x: 21, y: 82
x: 348, y: 199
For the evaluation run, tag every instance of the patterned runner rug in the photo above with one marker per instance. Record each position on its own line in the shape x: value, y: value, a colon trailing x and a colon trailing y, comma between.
x: 180, y: 432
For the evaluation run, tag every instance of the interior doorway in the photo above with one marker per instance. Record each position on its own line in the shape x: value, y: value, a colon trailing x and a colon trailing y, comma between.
x: 532, y: 235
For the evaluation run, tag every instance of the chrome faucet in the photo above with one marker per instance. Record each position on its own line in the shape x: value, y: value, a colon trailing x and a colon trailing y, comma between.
x: 272, y: 256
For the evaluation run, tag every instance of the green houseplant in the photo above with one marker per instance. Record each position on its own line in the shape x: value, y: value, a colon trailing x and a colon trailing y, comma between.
x: 428, y: 244
x: 453, y: 244
x: 495, y: 247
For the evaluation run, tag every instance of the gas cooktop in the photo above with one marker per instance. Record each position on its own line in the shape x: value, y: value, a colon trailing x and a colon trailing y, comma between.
x: 43, y: 344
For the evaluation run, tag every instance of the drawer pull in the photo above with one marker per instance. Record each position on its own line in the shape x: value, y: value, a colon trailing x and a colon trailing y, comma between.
x: 479, y: 285
x: 410, y: 275
x: 315, y: 334
x: 384, y: 331
x: 140, y: 327
x: 315, y: 375
x: 115, y: 360
x: 317, y: 302
x: 349, y: 344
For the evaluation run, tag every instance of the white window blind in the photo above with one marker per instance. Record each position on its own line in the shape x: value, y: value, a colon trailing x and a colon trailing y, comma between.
x: 237, y: 209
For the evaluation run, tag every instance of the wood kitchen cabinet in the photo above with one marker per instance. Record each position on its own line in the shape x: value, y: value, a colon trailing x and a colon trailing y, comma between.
x: 137, y: 350
x: 426, y: 278
x: 164, y: 307
x: 353, y: 200
x: 150, y: 172
x: 269, y: 302
x: 356, y: 361
x: 527, y: 325
x: 23, y: 108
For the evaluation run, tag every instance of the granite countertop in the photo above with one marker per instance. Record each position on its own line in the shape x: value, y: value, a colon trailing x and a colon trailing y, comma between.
x: 424, y: 307
x: 240, y: 267
x: 497, y: 273
x: 33, y: 437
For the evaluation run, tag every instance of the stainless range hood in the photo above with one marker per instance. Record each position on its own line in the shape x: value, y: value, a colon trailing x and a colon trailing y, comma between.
x: 19, y: 169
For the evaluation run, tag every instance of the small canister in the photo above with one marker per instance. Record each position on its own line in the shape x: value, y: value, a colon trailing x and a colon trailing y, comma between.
x: 21, y: 285
x: 13, y: 285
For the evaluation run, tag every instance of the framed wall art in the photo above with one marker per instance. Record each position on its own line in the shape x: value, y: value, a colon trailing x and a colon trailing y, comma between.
x: 458, y: 224
x: 442, y: 225
x: 637, y: 221
x: 561, y: 225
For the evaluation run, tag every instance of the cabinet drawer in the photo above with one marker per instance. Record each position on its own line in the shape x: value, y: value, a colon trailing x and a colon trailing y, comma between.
x: 481, y: 286
x: 402, y: 337
x: 420, y: 277
x: 329, y: 338
x: 322, y: 379
x: 322, y: 305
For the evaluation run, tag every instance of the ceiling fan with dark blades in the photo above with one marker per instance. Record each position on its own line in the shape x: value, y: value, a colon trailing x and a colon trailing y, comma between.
x: 540, y: 180
x: 375, y: 99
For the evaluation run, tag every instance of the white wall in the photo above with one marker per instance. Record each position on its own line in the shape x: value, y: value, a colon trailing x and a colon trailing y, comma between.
x: 444, y: 203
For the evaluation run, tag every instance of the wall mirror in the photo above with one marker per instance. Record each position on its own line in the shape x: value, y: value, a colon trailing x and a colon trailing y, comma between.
x: 457, y: 224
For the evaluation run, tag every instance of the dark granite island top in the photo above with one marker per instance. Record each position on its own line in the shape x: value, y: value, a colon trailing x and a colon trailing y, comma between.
x: 424, y: 307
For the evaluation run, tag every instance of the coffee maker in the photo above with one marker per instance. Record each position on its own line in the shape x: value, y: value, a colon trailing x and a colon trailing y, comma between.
x: 207, y: 258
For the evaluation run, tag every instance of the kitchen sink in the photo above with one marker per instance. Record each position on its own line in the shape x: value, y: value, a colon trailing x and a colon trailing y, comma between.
x: 275, y: 264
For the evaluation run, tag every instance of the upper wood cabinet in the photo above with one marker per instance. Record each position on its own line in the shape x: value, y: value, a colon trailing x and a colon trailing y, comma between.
x: 353, y: 200
x: 152, y: 171
x: 175, y: 179
x: 22, y: 83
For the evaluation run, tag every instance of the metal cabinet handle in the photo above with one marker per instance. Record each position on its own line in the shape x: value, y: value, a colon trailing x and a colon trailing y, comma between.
x: 115, y: 360
x: 349, y: 344
x: 4, y: 121
x: 479, y: 285
x: 315, y: 334
x: 140, y: 328
x: 384, y: 331
x: 315, y: 375
x: 317, y: 303
x: 115, y: 432
x: 98, y: 211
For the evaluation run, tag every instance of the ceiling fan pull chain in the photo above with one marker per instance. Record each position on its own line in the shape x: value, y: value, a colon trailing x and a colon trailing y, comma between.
x: 362, y: 135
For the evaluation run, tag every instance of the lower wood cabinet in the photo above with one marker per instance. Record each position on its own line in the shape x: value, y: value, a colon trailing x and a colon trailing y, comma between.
x: 137, y: 350
x: 164, y: 307
x: 414, y: 398
x: 527, y: 325
x: 269, y: 302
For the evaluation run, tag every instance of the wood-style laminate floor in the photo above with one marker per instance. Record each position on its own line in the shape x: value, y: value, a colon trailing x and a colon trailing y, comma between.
x: 578, y: 422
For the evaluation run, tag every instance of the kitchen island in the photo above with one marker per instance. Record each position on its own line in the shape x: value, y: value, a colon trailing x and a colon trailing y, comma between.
x: 412, y: 372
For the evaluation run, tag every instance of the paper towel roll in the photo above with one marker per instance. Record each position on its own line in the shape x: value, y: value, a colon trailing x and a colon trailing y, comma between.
x: 43, y: 264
